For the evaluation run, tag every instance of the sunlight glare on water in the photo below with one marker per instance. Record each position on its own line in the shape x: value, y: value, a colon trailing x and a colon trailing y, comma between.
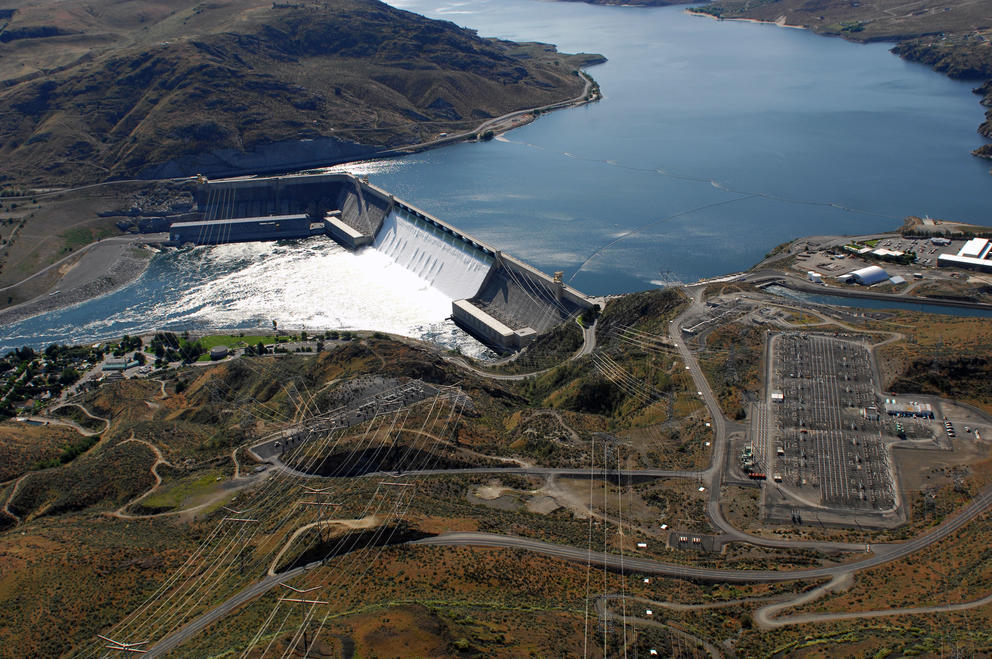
x: 312, y: 284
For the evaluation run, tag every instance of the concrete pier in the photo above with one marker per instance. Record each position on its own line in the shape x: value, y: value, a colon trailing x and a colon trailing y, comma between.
x: 272, y: 227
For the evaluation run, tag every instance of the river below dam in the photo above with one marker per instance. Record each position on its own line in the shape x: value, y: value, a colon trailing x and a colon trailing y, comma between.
x: 714, y: 142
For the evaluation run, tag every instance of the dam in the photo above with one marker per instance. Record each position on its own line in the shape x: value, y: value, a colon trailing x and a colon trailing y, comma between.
x: 500, y: 300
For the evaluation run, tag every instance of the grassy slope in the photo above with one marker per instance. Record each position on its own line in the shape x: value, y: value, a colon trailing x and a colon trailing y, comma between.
x: 97, y: 88
x: 22, y: 446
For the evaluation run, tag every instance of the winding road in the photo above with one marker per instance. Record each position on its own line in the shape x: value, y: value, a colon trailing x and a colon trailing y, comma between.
x: 840, y: 574
x: 630, y: 563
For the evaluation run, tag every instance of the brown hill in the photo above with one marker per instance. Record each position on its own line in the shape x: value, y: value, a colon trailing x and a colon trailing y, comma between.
x: 93, y: 89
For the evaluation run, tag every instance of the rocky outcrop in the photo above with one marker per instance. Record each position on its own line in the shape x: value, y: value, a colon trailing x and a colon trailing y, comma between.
x: 959, y: 60
x: 963, y: 60
x: 985, y: 151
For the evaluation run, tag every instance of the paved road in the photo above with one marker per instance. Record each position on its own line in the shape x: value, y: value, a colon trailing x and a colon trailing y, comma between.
x: 588, y: 345
x: 177, y: 638
x: 631, y: 564
x: 554, y: 472
x: 766, y: 618
x: 493, y: 123
x: 625, y: 474
x: 628, y: 564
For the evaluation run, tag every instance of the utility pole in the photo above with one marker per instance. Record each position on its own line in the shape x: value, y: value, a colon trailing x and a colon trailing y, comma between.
x: 302, y: 600
x: 322, y: 506
x: 120, y: 646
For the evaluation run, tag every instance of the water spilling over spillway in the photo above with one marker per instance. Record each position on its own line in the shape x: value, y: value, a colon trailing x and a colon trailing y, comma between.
x: 443, y: 261
x: 498, y: 299
x: 260, y: 251
x: 311, y: 284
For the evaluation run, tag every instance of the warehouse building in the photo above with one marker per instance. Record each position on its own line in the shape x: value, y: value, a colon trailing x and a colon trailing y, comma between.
x: 973, y: 255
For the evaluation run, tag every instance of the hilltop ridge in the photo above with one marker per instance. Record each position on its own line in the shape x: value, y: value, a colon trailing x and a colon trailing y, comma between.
x: 96, y: 89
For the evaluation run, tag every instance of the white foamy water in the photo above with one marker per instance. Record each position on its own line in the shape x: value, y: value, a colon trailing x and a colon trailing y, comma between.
x: 437, y: 258
x: 310, y: 284
x: 315, y: 284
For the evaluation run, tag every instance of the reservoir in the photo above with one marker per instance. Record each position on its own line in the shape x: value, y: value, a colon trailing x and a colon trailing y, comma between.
x: 715, y: 141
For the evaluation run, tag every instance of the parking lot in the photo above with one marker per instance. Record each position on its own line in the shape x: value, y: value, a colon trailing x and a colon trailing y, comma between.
x: 824, y: 434
x: 836, y: 261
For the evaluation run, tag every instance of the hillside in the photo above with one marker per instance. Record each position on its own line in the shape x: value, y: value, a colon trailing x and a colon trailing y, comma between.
x: 169, y: 514
x: 96, y: 89
x: 634, y: 3
x: 951, y: 36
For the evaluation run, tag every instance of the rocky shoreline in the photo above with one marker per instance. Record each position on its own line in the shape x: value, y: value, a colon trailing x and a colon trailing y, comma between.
x: 99, y: 272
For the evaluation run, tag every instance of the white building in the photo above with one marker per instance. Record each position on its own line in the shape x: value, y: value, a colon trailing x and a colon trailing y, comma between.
x: 869, y: 276
x: 976, y: 248
x: 974, y: 254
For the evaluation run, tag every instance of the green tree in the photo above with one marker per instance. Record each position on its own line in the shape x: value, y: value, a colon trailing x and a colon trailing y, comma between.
x: 69, y: 375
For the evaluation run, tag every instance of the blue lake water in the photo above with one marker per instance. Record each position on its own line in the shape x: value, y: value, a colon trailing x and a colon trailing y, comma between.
x: 868, y: 303
x: 715, y: 142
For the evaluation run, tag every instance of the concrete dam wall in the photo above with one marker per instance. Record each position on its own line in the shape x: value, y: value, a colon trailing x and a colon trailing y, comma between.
x: 444, y: 261
x: 519, y: 297
x: 500, y: 300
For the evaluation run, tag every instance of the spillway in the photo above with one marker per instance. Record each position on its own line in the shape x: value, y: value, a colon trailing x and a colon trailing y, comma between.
x: 443, y: 260
x: 498, y: 299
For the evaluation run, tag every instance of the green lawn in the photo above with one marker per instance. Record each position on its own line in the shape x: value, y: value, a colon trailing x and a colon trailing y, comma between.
x: 76, y: 238
x: 232, y: 341
x: 180, y: 492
